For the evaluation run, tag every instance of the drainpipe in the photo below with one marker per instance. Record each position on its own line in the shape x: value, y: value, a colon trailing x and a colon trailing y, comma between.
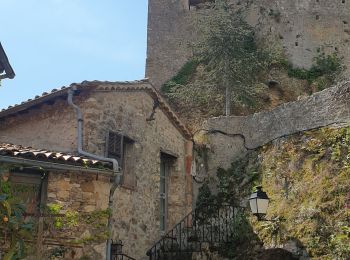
x: 116, y: 172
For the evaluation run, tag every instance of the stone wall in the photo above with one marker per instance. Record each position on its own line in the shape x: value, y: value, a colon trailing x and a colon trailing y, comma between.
x: 136, y: 212
x: 303, y: 28
x: 85, y: 194
x: 169, y: 35
x: 78, y: 225
x: 50, y: 127
x: 230, y: 137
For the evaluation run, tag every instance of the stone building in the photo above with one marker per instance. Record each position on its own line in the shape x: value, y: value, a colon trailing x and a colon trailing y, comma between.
x: 302, y: 29
x: 51, y: 184
x: 126, y: 121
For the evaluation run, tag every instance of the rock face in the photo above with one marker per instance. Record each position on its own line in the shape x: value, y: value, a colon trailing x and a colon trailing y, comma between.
x: 303, y: 28
x: 230, y: 137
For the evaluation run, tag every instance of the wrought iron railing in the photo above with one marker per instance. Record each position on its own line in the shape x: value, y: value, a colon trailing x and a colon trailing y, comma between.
x: 122, y: 257
x: 210, y: 224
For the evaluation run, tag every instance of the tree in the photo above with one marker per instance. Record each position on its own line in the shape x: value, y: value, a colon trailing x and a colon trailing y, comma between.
x: 228, y: 50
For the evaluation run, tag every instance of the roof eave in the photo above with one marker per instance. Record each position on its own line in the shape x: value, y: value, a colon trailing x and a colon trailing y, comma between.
x: 53, y: 166
x: 9, y: 72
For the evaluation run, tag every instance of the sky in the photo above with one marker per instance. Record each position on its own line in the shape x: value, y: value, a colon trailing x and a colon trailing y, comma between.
x: 53, y: 43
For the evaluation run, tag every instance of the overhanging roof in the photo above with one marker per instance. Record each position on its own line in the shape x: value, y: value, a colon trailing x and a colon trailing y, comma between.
x: 6, y: 70
x: 138, y: 85
x: 13, y: 153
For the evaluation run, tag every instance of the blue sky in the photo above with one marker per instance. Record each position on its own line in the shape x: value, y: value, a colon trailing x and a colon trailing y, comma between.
x: 53, y: 43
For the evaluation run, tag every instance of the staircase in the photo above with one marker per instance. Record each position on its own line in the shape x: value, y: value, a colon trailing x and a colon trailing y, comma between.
x: 210, y: 225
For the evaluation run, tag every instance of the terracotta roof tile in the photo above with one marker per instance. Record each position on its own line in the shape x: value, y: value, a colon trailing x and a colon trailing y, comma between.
x: 19, y: 151
x: 143, y: 85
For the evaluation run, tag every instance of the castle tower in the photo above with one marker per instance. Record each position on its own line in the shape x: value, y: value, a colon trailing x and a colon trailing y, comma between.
x: 303, y: 29
x: 167, y: 39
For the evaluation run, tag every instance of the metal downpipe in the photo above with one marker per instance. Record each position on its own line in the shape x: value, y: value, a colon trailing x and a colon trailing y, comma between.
x: 116, y: 172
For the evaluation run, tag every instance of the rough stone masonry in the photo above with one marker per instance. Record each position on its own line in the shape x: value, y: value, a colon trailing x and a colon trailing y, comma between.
x: 302, y: 28
x: 231, y: 137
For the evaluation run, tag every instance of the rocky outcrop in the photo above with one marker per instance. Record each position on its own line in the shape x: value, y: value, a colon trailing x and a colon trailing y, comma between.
x: 230, y: 137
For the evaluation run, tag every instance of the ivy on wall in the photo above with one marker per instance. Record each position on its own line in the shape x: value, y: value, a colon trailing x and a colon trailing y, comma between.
x: 77, y: 223
x: 307, y: 177
x: 323, y: 72
x: 14, y: 227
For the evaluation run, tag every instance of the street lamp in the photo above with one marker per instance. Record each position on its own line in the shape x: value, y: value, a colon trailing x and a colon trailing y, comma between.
x: 259, y: 202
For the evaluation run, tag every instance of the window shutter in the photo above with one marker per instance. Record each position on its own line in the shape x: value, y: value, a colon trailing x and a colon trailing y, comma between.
x: 121, y: 148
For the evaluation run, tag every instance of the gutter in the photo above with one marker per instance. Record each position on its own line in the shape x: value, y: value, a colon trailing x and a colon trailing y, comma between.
x: 52, y: 166
x: 116, y: 171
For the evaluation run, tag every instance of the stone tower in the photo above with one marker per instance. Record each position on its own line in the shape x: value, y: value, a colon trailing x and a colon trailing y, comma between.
x: 303, y: 28
x: 168, y: 38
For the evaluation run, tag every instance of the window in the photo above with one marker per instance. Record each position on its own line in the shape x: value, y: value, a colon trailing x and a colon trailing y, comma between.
x: 163, y: 193
x: 115, y: 147
x: 121, y: 148
x: 27, y: 186
x: 166, y: 161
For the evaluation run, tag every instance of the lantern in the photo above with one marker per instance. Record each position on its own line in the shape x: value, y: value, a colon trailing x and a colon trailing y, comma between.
x: 259, y: 202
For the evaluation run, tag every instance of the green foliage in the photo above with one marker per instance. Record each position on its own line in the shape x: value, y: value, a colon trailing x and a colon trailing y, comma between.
x: 182, y: 77
x: 307, y: 177
x: 239, y: 179
x: 13, y: 225
x: 233, y: 184
x: 226, y: 56
x: 55, y: 209
x: 229, y: 52
x: 275, y: 229
x: 326, y: 67
x: 205, y: 197
x: 316, y: 165
x: 238, y: 245
x: 340, y: 243
x: 206, y: 205
x: 63, y: 221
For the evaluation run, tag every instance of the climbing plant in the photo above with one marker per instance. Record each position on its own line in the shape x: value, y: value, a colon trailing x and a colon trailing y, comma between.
x: 72, y: 221
x: 14, y: 228
x: 324, y: 71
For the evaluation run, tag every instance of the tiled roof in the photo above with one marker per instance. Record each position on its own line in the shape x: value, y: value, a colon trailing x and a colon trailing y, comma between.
x: 56, y: 92
x: 111, y: 86
x: 19, y: 151
x: 138, y: 85
x: 5, y: 66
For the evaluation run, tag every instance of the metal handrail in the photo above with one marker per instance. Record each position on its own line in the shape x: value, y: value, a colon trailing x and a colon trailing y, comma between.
x: 122, y: 257
x: 209, y: 224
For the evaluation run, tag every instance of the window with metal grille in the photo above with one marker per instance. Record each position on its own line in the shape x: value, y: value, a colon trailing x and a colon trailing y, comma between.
x: 120, y: 147
x: 115, y: 147
x: 166, y: 161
